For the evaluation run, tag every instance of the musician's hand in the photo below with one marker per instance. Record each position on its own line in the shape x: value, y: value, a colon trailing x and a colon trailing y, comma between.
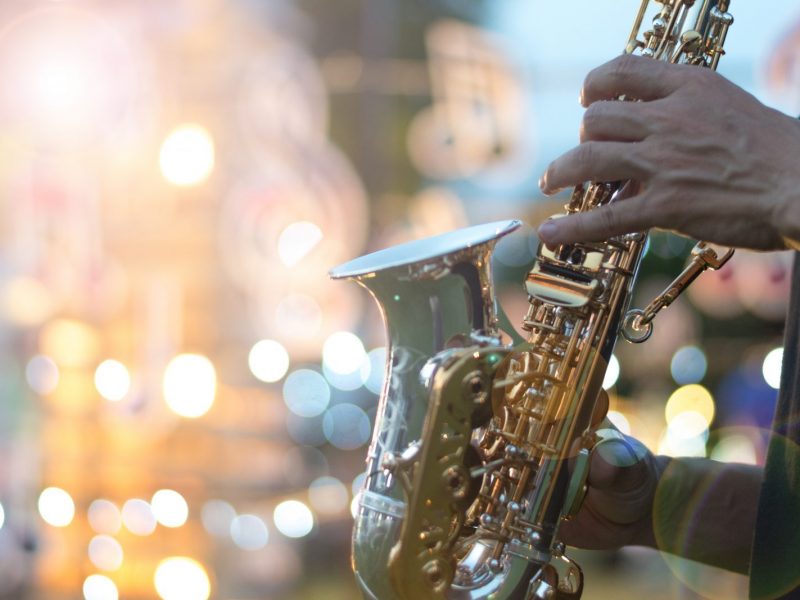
x: 617, y: 509
x: 712, y: 162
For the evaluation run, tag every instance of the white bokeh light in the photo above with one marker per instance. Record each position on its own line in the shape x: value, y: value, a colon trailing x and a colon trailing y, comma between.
x: 612, y: 373
x: 293, y: 519
x: 56, y: 507
x: 105, y: 553
x: 182, y: 578
x: 688, y: 365
x: 42, y: 374
x: 306, y: 393
x: 112, y: 380
x: 217, y: 516
x: 268, y: 361
x: 187, y: 155
x: 99, y: 587
x: 297, y: 241
x: 771, y: 369
x: 249, y: 532
x: 346, y: 426
x: 169, y: 508
x: 620, y: 421
x: 343, y: 353
x: 138, y: 517
x: 190, y: 385
x: 104, y: 517
x: 2, y: 516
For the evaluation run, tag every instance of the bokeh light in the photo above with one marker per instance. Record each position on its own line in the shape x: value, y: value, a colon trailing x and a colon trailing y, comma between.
x: 268, y: 361
x: 735, y: 448
x: 138, y: 517
x: 25, y: 301
x: 105, y: 553
x: 612, y: 373
x: 104, y: 516
x: 99, y: 587
x: 373, y: 370
x: 297, y: 241
x: 69, y: 343
x: 346, y: 426
x: 249, y: 532
x: 187, y: 155
x: 772, y: 367
x: 293, y: 519
x: 169, y: 508
x: 190, y: 385
x: 690, y: 398
x: 42, y: 374
x: 620, y: 421
x: 688, y: 365
x: 306, y: 393
x: 56, y: 507
x: 2, y: 516
x: 182, y: 578
x: 112, y: 380
x: 343, y: 353
x: 328, y: 495
x: 217, y: 516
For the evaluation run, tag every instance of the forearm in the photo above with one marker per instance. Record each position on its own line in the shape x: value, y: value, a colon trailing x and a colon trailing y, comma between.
x: 706, y: 511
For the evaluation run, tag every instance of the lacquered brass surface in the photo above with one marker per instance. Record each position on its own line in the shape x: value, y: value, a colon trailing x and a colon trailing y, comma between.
x: 467, y: 472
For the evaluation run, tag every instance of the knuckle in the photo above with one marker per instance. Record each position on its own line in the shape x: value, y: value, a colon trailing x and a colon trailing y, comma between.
x: 593, y: 118
x: 585, y: 154
x: 609, y: 219
x: 622, y: 68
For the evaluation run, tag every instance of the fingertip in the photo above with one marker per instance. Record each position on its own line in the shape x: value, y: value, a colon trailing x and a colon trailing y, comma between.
x: 548, y: 233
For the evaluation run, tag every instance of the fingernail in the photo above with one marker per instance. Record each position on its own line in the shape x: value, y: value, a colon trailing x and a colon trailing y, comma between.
x: 548, y: 230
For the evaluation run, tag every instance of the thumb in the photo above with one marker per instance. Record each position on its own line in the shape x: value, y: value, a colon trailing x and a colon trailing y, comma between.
x: 619, y: 465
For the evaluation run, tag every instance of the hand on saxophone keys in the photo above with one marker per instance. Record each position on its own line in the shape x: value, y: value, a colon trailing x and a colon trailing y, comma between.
x: 712, y: 162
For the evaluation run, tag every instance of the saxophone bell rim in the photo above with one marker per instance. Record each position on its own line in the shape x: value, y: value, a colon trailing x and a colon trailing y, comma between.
x: 425, y: 250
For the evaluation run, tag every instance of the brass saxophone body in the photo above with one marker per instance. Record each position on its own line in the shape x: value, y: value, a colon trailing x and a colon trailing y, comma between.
x: 467, y: 471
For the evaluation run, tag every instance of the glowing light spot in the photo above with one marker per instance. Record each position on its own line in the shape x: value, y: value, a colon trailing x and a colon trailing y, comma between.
x: 2, y: 516
x: 297, y: 241
x: 293, y: 519
x: 343, y: 353
x: 690, y: 398
x: 217, y: 516
x: 355, y: 505
x: 112, y: 380
x: 104, y: 517
x: 138, y: 517
x: 688, y: 365
x: 672, y: 444
x: 182, y: 578
x: 620, y: 421
x: 26, y: 302
x: 328, y: 495
x: 306, y: 393
x: 249, y: 532
x: 688, y: 424
x: 190, y: 385
x: 771, y: 369
x: 268, y: 361
x: 358, y: 483
x: 612, y: 373
x: 373, y: 370
x: 346, y: 426
x: 56, y: 507
x: 187, y: 155
x: 42, y: 374
x: 735, y: 448
x: 70, y: 343
x: 105, y: 553
x: 169, y: 508
x: 99, y: 587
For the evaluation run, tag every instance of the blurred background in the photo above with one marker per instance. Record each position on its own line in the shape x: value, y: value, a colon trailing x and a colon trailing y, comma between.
x: 185, y: 398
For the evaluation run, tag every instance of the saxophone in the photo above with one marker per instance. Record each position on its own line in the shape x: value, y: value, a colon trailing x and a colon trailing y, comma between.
x: 467, y: 470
